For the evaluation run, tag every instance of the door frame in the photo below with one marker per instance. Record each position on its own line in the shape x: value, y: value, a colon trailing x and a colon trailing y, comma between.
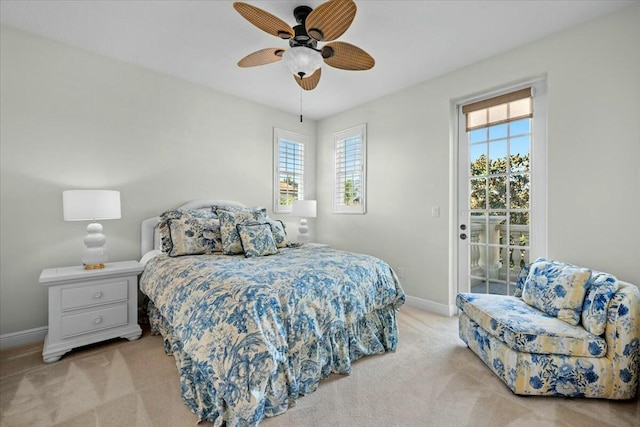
x: 539, y: 187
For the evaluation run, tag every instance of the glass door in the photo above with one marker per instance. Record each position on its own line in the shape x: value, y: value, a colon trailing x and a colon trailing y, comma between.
x: 494, y: 196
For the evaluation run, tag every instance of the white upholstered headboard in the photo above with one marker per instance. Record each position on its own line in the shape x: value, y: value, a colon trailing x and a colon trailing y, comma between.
x: 150, y: 237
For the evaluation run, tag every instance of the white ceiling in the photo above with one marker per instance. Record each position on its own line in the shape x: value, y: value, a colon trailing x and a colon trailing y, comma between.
x: 201, y: 41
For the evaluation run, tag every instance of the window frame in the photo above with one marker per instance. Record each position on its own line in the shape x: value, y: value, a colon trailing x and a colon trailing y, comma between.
x: 338, y: 137
x: 288, y: 136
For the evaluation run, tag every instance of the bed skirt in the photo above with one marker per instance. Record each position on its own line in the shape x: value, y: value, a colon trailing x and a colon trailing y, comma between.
x: 296, y: 373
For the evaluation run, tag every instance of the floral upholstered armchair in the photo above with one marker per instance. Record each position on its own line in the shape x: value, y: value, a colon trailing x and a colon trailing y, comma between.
x: 569, y: 331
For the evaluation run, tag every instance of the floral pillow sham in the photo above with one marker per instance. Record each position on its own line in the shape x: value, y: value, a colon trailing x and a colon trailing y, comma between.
x: 256, y: 239
x: 279, y: 233
x: 231, y: 244
x: 176, y: 214
x: 200, y: 231
x: 194, y: 236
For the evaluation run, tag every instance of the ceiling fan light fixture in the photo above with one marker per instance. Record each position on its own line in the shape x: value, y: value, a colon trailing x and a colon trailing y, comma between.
x: 302, y: 61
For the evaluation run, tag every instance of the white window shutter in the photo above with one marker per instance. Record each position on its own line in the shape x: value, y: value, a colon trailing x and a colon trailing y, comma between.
x: 349, y: 178
x: 288, y: 169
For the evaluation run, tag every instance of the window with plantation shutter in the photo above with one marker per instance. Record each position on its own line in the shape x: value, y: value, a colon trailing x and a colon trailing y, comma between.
x: 349, y: 185
x: 288, y: 169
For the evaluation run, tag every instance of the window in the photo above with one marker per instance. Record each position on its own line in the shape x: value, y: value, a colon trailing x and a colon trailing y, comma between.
x: 349, y: 186
x: 288, y: 169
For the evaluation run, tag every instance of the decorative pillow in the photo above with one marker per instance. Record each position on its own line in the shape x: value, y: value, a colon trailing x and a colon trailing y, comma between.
x: 256, y: 239
x: 522, y: 277
x: 596, y: 302
x: 231, y: 244
x: 557, y: 289
x: 194, y: 236
x: 163, y: 225
x: 279, y: 233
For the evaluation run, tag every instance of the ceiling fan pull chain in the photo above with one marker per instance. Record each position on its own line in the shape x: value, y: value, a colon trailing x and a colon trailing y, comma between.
x: 300, y: 102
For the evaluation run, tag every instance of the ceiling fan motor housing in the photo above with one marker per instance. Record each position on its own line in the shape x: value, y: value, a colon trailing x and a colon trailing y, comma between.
x: 301, y: 13
x: 301, y: 37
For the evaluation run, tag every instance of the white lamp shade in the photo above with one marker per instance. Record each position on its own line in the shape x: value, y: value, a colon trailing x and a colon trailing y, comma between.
x: 83, y: 205
x: 303, y: 60
x: 304, y: 208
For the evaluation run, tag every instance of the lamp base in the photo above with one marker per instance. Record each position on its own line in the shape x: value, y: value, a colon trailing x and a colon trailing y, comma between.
x: 303, y: 230
x: 95, y: 254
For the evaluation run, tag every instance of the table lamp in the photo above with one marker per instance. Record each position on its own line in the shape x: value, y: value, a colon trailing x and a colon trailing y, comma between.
x: 92, y: 205
x: 304, y: 209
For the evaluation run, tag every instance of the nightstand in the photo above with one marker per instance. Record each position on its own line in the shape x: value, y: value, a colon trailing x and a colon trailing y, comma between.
x: 89, y: 306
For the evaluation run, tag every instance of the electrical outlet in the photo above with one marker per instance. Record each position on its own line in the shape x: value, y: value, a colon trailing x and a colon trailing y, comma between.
x: 435, y: 211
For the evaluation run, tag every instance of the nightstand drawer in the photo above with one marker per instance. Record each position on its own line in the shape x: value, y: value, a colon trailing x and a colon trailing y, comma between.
x: 76, y: 324
x: 86, y: 296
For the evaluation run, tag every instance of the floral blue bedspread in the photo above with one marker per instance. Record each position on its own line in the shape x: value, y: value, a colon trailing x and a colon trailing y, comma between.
x: 250, y: 335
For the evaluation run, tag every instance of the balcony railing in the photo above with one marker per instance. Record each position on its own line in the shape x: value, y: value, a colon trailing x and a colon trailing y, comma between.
x: 490, y: 259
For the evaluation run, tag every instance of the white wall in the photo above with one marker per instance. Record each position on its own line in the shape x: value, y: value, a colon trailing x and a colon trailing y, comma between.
x: 71, y: 119
x: 593, y: 168
x: 62, y: 107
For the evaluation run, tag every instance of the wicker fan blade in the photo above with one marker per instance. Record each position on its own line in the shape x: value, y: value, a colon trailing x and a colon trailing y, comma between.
x: 262, y: 57
x: 347, y: 57
x: 264, y: 20
x: 309, y: 83
x: 330, y: 20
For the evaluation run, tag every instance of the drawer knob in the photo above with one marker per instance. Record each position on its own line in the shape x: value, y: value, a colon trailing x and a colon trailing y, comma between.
x: 97, y: 295
x: 97, y: 320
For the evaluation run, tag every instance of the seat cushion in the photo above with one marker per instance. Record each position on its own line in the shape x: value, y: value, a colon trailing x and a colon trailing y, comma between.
x: 527, y: 329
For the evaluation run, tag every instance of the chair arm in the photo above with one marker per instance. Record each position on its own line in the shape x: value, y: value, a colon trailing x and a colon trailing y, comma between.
x: 622, y: 334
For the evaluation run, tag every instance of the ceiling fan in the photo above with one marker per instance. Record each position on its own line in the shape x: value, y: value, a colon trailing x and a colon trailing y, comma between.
x: 325, y: 23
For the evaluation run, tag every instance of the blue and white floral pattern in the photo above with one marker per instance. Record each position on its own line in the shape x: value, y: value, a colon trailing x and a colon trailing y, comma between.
x: 257, y: 239
x: 522, y: 277
x: 594, y: 311
x: 525, y: 328
x: 557, y: 289
x: 250, y: 335
x: 163, y: 225
x: 555, y: 371
x: 194, y: 236
x: 228, y: 220
x: 279, y: 233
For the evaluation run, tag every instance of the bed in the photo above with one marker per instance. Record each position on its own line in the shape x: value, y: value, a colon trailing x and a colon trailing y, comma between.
x: 252, y: 331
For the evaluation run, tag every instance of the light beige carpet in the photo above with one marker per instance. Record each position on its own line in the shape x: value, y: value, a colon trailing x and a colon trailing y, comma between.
x: 432, y: 380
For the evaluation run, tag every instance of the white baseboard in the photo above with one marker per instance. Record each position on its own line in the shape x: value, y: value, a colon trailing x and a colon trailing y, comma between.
x: 17, y: 339
x: 433, y: 307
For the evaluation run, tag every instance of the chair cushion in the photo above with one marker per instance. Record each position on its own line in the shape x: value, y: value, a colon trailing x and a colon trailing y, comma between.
x: 594, y: 311
x: 527, y: 329
x: 557, y: 288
